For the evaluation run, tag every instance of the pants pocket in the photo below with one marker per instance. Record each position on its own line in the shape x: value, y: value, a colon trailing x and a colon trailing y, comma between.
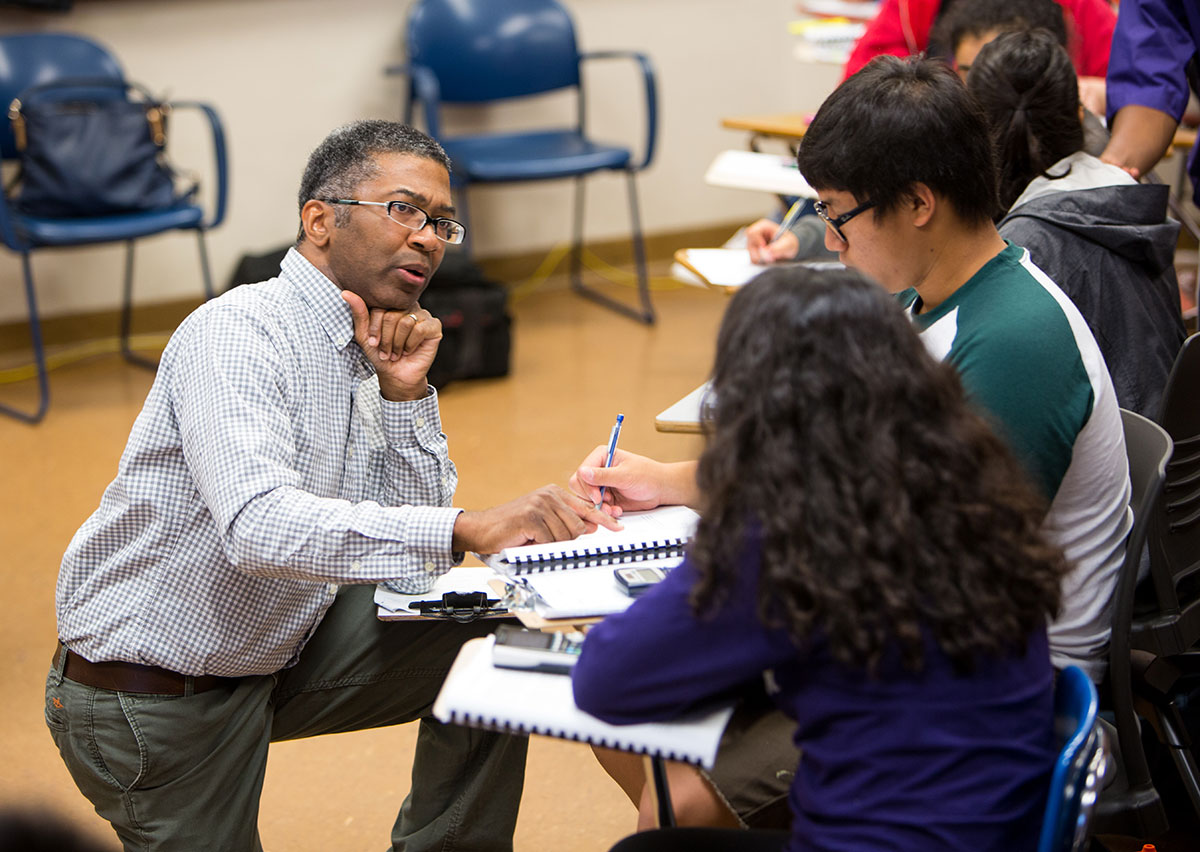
x: 117, y: 745
x: 57, y: 719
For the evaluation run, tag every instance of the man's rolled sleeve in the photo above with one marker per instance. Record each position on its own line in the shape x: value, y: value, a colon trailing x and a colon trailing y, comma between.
x: 1151, y: 47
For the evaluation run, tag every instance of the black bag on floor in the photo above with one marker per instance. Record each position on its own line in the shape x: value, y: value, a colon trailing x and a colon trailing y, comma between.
x: 252, y: 268
x: 476, y: 325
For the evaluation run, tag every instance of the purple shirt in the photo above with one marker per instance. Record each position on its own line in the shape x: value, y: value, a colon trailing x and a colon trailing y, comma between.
x: 1151, y: 47
x: 934, y: 761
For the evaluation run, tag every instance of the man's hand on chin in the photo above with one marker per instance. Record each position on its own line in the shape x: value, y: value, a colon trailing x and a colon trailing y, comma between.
x: 400, y: 344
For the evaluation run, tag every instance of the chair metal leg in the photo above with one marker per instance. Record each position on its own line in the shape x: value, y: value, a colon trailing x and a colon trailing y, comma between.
x: 662, y: 790
x: 646, y: 314
x: 575, y: 259
x: 205, y: 272
x: 127, y: 315
x: 639, y: 249
x: 463, y: 214
x: 39, y: 353
x: 1182, y: 756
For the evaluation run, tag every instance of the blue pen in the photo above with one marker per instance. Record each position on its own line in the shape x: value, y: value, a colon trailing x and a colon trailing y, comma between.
x: 612, y: 448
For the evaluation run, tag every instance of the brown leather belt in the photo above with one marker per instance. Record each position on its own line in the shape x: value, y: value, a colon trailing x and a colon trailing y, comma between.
x: 132, y: 677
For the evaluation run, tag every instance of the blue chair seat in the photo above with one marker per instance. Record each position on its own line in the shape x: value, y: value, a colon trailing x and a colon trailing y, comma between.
x: 531, y: 156
x: 107, y: 229
x: 481, y: 52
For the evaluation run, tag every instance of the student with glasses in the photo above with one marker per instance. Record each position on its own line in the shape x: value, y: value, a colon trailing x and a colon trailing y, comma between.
x: 290, y: 456
x: 905, y: 137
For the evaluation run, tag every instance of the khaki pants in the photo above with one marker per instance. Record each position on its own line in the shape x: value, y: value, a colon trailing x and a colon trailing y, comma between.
x: 185, y: 772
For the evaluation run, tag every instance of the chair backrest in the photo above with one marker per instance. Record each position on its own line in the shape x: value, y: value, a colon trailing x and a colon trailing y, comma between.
x: 1079, y: 766
x: 1138, y: 810
x: 1148, y: 447
x: 32, y: 58
x: 1175, y: 545
x: 485, y: 50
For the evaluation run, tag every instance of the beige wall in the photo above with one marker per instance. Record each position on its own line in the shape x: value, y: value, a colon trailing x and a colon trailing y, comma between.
x: 282, y: 73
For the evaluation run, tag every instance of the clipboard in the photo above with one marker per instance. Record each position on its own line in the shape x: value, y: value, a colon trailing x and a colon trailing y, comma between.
x: 726, y: 270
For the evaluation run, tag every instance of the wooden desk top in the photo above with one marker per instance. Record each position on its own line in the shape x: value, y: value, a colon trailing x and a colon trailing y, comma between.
x: 781, y: 125
x: 684, y: 415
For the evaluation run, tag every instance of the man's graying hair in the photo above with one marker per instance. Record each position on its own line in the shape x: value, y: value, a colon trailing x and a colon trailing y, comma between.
x: 346, y: 158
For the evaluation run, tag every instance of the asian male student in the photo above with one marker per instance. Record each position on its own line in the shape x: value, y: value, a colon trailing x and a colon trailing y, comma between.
x: 902, y: 160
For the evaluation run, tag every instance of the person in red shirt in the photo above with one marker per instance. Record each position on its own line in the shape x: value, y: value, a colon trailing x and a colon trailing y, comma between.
x: 902, y: 28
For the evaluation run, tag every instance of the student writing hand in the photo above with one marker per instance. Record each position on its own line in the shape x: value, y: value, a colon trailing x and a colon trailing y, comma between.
x: 551, y: 513
x: 401, y: 345
x: 633, y: 482
x: 762, y: 250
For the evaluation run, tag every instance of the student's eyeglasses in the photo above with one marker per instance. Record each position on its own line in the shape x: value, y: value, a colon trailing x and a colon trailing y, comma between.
x: 411, y: 216
x: 836, y: 222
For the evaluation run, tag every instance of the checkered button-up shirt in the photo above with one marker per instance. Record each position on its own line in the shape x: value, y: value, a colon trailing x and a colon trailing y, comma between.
x: 264, y: 470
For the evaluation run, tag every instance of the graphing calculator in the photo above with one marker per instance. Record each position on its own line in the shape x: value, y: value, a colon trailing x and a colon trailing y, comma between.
x: 535, y: 651
x: 634, y: 581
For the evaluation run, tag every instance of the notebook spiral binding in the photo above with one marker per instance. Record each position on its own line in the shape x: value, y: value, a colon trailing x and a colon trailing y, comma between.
x: 591, y: 556
x: 500, y: 727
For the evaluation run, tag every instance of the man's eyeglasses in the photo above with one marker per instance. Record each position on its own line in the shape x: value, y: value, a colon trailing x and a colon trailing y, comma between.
x: 836, y: 222
x: 411, y: 216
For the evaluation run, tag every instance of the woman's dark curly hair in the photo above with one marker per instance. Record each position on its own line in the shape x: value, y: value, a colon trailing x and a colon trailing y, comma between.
x: 885, y: 507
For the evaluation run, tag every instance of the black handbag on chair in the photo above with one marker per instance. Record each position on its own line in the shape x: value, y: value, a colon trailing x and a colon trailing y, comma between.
x: 90, y: 149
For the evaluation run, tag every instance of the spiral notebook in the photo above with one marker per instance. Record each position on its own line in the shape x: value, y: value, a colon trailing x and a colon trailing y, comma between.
x: 479, y: 695
x: 654, y: 534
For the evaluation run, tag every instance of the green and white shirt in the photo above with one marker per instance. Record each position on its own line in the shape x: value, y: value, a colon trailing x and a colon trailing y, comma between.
x: 1028, y: 361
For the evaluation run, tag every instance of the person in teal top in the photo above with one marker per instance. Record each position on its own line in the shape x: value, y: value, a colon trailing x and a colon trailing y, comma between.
x: 901, y: 158
x: 1004, y: 329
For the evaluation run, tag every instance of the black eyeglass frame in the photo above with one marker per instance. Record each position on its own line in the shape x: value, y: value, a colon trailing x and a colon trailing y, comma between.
x: 836, y: 222
x: 389, y: 205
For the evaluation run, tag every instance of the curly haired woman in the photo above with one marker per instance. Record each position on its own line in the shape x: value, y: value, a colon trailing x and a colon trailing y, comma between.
x: 867, y: 540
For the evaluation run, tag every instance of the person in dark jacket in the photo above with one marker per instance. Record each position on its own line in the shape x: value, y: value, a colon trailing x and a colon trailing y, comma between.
x: 1104, y: 238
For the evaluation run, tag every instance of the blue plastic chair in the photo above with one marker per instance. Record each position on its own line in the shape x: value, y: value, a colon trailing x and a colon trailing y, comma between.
x: 1079, y: 768
x: 30, y: 59
x: 479, y: 51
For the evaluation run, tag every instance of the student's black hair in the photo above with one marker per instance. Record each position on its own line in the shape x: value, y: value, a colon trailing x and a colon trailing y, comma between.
x: 882, y: 506
x: 899, y: 122
x: 1027, y: 87
x: 977, y: 18
x: 346, y: 158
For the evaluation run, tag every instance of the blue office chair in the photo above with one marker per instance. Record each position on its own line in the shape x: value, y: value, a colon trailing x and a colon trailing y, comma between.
x: 1079, y: 768
x: 34, y: 58
x: 479, y: 51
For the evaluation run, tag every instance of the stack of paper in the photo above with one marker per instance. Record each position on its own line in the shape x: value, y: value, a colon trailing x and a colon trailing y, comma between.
x: 722, y: 268
x: 478, y: 694
x: 775, y: 173
x: 653, y: 534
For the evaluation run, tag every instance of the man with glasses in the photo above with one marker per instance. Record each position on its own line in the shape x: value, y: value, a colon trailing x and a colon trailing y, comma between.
x: 288, y: 457
x: 902, y: 161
